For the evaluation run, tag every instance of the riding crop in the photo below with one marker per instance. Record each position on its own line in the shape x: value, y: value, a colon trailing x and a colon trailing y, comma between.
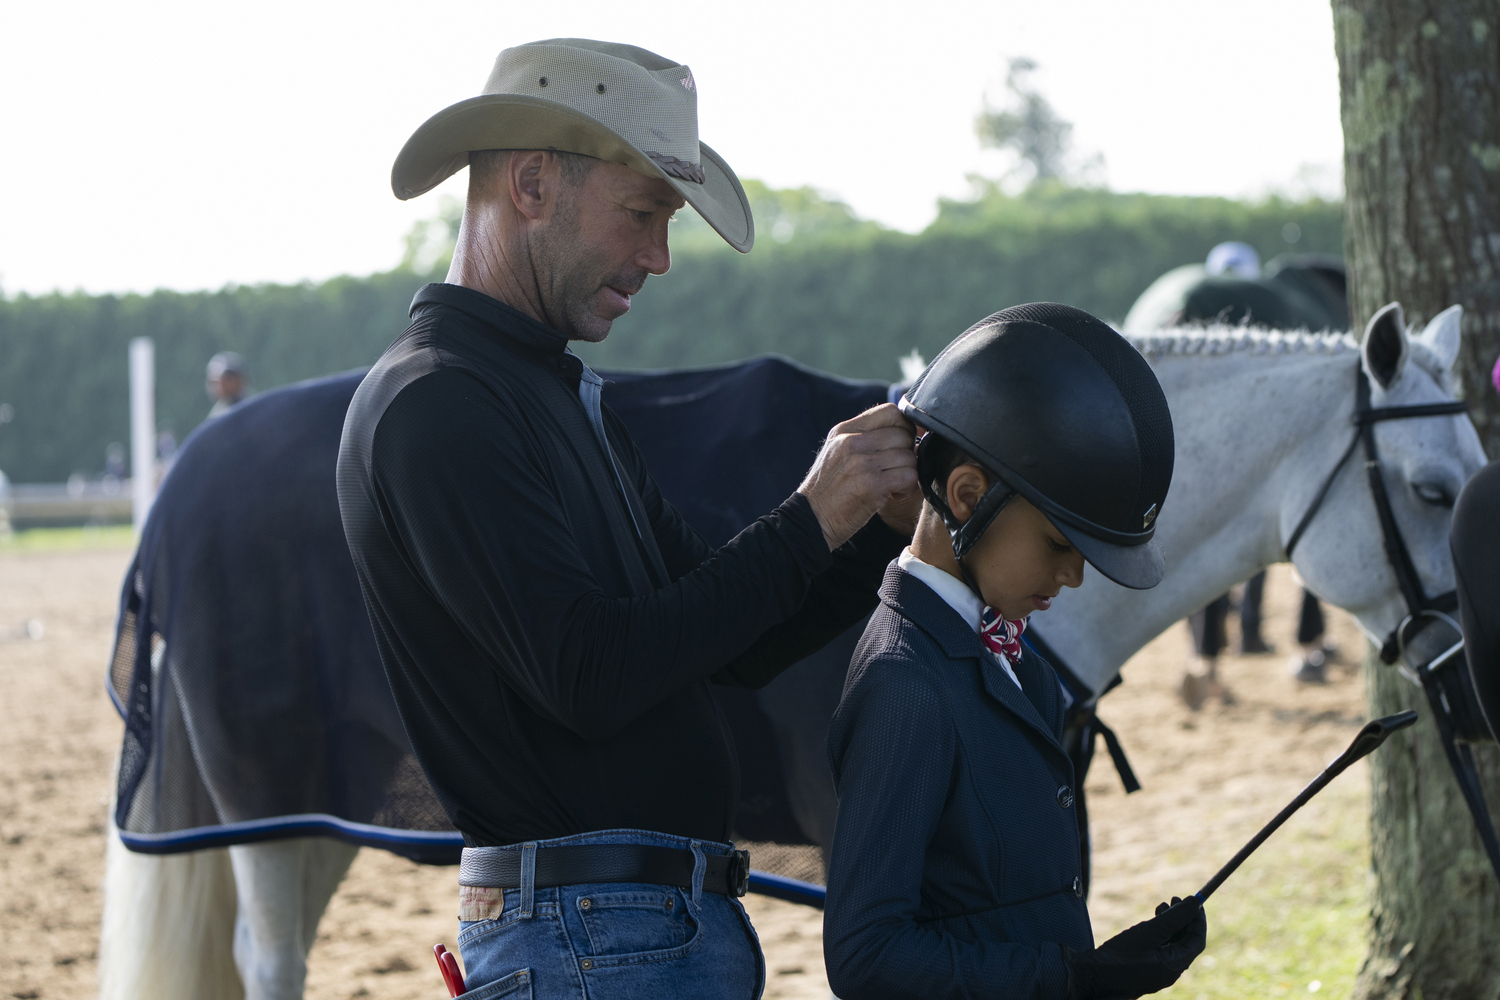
x: 1369, y: 738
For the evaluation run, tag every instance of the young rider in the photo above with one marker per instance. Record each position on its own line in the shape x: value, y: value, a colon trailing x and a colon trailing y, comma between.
x: 956, y: 868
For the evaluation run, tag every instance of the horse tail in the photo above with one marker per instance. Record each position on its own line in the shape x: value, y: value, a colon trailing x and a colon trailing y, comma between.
x: 168, y: 929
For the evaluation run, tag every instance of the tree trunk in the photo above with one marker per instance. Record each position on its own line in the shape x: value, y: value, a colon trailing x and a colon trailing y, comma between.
x: 1420, y: 101
x: 1435, y: 911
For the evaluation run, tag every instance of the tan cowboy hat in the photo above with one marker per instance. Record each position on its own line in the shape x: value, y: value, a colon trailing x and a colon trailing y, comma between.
x: 614, y: 102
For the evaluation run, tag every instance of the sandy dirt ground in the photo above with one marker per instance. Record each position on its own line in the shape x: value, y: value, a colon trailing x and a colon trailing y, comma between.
x: 1211, y: 777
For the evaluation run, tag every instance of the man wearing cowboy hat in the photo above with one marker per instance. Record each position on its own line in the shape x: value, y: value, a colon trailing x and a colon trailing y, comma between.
x: 549, y: 623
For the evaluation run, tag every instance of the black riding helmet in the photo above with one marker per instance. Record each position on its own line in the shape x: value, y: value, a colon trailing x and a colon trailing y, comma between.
x: 1061, y: 410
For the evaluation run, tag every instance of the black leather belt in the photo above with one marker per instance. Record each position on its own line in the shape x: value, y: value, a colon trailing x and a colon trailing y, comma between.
x: 500, y: 868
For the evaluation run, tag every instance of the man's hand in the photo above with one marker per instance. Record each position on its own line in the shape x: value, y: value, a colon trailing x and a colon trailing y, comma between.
x: 867, y: 464
x: 901, y: 510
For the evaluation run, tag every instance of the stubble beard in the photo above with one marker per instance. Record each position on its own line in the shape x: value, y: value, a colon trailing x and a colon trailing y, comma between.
x: 569, y: 271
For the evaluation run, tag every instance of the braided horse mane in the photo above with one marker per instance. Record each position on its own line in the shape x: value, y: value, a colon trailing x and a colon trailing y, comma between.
x: 1193, y: 340
x: 1188, y: 341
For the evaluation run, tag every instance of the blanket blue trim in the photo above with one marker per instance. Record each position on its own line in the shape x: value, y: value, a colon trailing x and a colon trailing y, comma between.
x: 277, y: 827
x: 364, y: 835
x: 790, y: 889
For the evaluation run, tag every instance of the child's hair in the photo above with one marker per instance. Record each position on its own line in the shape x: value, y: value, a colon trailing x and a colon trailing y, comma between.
x: 941, y: 457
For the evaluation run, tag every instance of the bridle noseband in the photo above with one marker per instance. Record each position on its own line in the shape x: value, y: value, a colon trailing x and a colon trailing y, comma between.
x: 1418, y: 604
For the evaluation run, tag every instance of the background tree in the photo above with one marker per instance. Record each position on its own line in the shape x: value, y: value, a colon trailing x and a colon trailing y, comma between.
x: 1029, y: 127
x: 1420, y: 102
x: 430, y: 243
x: 823, y: 286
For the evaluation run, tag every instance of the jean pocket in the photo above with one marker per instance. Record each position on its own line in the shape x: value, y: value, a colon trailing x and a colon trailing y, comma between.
x: 471, y: 931
x: 516, y: 986
x: 642, y: 921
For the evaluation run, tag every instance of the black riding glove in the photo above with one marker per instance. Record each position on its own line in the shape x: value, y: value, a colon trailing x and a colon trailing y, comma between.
x: 1140, y: 959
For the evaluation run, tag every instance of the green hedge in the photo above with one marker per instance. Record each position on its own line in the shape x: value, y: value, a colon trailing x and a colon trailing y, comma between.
x: 853, y: 303
x: 63, y: 357
x: 839, y: 293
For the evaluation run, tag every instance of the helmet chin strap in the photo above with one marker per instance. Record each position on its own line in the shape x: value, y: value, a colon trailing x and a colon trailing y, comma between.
x: 964, y: 534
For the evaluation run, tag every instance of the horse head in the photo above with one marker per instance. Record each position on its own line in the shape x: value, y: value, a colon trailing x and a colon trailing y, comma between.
x: 1348, y: 555
x: 1269, y: 463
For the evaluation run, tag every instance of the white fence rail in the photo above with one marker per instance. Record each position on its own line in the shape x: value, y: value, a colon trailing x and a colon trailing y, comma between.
x: 60, y: 505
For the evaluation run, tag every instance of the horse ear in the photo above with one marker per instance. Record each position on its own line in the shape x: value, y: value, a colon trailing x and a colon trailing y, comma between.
x: 1384, y: 348
x: 1442, y: 335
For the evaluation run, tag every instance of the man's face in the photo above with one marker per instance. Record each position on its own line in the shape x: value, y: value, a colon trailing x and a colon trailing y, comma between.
x: 231, y: 385
x: 605, y: 236
x: 225, y: 385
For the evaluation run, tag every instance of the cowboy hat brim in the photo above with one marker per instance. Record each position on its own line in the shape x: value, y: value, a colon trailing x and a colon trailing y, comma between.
x: 440, y: 148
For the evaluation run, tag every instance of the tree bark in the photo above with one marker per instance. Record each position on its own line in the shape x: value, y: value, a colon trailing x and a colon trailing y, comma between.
x: 1435, y: 910
x: 1420, y: 102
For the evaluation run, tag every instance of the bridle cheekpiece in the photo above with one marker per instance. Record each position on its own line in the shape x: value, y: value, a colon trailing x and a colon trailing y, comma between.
x: 1419, y: 606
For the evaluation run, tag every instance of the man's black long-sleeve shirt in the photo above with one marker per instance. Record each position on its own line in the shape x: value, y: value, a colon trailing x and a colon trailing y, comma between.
x: 550, y: 682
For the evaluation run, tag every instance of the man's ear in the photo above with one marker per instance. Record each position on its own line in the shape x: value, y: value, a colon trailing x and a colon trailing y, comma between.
x: 966, y: 484
x: 533, y: 176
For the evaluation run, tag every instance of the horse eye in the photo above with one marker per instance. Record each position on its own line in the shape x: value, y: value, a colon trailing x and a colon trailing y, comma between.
x: 1433, y: 494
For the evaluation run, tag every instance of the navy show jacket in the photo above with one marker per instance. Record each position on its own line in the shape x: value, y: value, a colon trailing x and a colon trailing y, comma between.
x: 956, y: 868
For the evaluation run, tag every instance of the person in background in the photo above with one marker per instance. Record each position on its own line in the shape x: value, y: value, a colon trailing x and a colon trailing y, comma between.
x: 1234, y: 260
x: 114, y: 460
x: 226, y: 381
x: 166, y: 453
x: 1474, y: 540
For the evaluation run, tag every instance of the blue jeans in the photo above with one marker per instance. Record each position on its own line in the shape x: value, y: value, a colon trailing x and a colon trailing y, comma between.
x: 614, y: 941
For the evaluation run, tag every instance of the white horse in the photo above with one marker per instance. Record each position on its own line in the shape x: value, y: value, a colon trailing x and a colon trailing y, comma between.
x: 1261, y: 420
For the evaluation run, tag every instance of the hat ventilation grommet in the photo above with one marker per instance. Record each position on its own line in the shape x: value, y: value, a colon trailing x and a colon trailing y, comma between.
x: 542, y: 82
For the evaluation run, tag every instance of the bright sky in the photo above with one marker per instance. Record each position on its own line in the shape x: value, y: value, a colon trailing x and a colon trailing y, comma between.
x: 188, y: 145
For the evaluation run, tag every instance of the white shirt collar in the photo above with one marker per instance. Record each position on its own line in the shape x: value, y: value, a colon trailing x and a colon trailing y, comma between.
x: 955, y: 593
x: 947, y: 586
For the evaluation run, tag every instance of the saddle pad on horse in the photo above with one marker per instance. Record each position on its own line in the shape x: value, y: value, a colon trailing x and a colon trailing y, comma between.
x: 254, y: 701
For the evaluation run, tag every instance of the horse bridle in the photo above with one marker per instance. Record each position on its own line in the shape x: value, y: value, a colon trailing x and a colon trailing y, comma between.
x: 1419, y: 606
x: 1421, y: 609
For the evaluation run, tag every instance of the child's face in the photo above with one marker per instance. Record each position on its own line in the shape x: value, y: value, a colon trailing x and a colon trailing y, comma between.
x: 1021, y: 561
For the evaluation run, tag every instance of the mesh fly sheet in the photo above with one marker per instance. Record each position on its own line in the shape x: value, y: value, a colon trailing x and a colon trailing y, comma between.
x: 254, y: 702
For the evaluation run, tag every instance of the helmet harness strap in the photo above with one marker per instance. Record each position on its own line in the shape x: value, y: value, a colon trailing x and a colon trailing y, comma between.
x: 965, y: 534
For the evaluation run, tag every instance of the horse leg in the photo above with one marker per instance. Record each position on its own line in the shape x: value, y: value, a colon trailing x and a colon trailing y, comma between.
x: 168, y: 925
x: 284, y: 887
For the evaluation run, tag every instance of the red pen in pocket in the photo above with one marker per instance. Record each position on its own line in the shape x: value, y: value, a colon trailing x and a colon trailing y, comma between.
x: 448, y: 966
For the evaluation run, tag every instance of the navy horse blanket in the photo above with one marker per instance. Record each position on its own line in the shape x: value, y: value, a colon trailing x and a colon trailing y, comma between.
x: 254, y: 701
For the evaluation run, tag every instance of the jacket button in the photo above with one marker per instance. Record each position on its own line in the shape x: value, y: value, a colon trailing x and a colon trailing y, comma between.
x: 1065, y: 796
x: 1078, y: 886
